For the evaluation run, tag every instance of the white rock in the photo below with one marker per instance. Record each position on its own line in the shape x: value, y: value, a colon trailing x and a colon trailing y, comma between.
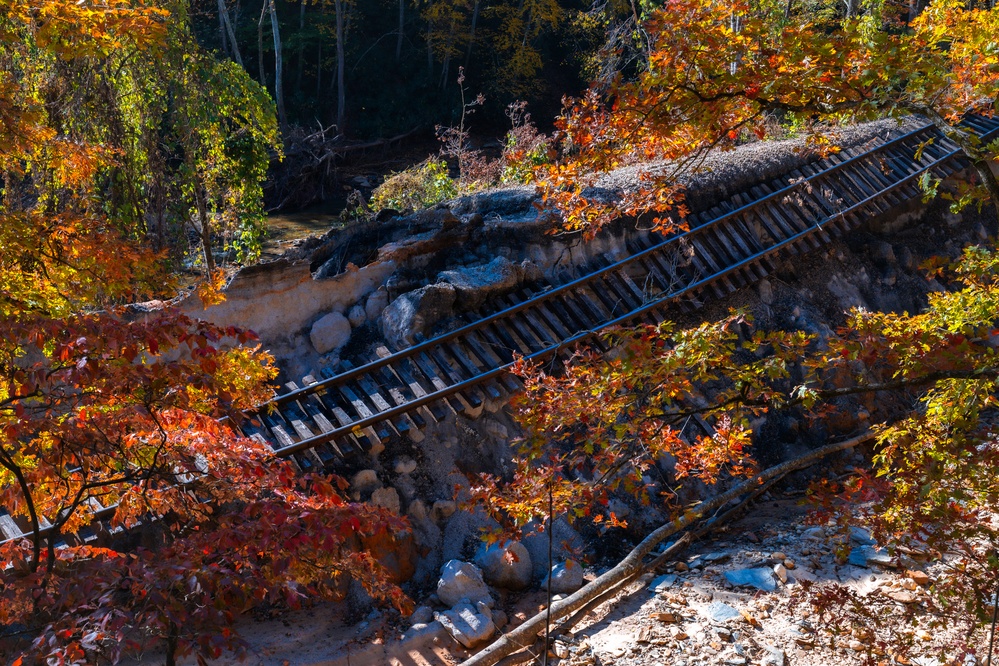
x: 462, y: 581
x: 662, y: 583
x: 330, y: 332
x: 507, y: 565
x: 470, y: 625
x: 356, y: 316
x: 375, y: 304
x: 387, y: 498
x: 405, y: 466
x: 781, y: 572
x: 567, y: 577
x: 364, y: 482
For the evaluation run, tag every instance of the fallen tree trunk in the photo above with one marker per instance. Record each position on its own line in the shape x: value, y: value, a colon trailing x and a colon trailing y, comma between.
x: 632, y: 564
x: 670, y: 553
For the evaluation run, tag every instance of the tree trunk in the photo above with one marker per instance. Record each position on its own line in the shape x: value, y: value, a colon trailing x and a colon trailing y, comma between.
x: 225, y: 20
x: 341, y: 92
x: 171, y: 645
x: 301, y: 49
x: 319, y: 57
x: 206, y: 232
x: 223, y: 39
x: 260, y: 45
x: 402, y: 25
x: 446, y: 69
x: 787, y: 10
x: 471, y: 32
x: 278, y: 66
x: 525, y: 634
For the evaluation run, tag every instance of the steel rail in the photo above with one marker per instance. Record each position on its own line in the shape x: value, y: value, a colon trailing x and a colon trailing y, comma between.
x: 426, y: 345
x: 409, y: 406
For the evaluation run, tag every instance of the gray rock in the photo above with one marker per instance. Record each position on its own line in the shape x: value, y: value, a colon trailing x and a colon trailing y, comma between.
x: 865, y: 556
x: 505, y: 565
x: 356, y: 316
x: 814, y: 534
x: 762, y: 578
x: 417, y: 312
x: 330, y: 333
x: 470, y: 625
x: 504, y: 202
x: 662, y: 583
x: 376, y: 302
x: 422, y: 615
x: 499, y: 619
x: 722, y: 612
x: 716, y: 558
x: 566, y: 542
x: 619, y: 508
x: 496, y: 430
x: 443, y: 509
x: 387, y: 498
x: 417, y: 510
x: 861, y: 536
x: 475, y: 284
x: 766, y: 292
x: 566, y: 578
x: 462, y: 582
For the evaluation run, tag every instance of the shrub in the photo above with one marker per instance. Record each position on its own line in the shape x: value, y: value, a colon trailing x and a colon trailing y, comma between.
x: 524, y: 148
x: 420, y: 186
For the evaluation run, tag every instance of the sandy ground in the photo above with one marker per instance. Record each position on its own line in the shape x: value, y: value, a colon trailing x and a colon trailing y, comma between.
x: 675, y: 617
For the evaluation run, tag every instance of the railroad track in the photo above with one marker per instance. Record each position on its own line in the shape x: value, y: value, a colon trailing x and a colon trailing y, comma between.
x: 732, y: 245
x: 466, y: 370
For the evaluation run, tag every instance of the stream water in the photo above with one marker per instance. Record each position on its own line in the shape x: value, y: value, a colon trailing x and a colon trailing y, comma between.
x: 284, y: 228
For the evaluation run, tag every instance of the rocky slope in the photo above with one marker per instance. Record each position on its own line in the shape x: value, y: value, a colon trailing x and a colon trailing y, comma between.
x: 394, y: 277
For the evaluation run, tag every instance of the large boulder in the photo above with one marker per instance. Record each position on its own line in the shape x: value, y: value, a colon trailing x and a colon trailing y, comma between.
x: 462, y: 582
x: 566, y: 577
x: 330, y: 332
x: 470, y: 625
x: 506, y: 565
x: 416, y: 312
x: 475, y: 284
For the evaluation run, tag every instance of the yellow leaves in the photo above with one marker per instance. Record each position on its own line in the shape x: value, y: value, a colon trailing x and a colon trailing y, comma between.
x: 74, y: 29
x: 210, y: 290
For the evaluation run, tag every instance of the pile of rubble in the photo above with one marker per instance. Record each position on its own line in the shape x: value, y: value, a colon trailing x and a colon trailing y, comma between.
x: 740, y: 603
